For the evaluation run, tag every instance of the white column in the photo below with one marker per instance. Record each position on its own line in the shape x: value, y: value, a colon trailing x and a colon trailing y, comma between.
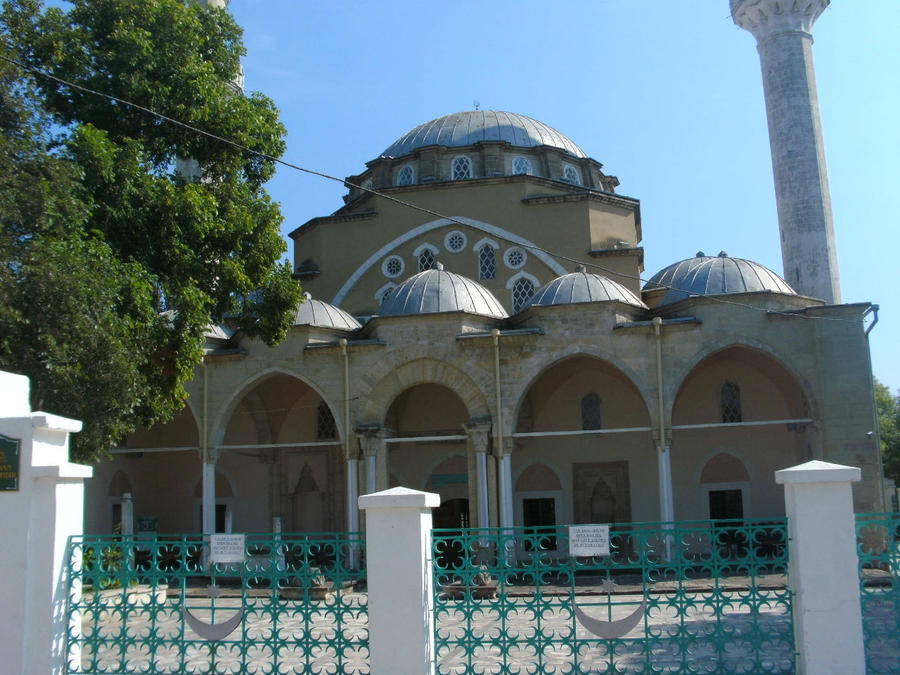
x: 352, y: 495
x: 824, y: 574
x: 127, y: 514
x: 400, y: 585
x: 666, y: 501
x: 209, y: 497
x: 46, y: 508
x: 506, y: 491
x: 479, y: 439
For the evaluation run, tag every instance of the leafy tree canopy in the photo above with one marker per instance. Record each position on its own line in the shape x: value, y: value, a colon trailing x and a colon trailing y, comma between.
x: 113, y: 264
x: 888, y: 407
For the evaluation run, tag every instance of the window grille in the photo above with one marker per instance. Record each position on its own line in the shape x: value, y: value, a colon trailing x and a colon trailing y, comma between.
x: 522, y: 292
x: 521, y: 165
x: 325, y: 427
x: 461, y: 168
x: 571, y: 175
x: 405, y: 175
x: 426, y: 260
x: 487, y: 265
x: 730, y: 403
x: 591, y: 417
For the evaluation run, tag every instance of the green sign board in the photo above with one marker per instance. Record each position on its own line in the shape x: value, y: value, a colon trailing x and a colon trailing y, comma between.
x: 9, y: 464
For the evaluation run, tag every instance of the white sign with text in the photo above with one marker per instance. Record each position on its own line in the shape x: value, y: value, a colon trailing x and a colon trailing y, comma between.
x: 588, y: 540
x: 226, y: 548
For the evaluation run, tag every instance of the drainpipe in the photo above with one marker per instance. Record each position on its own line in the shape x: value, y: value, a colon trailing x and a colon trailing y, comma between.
x: 663, y: 451
x: 506, y: 510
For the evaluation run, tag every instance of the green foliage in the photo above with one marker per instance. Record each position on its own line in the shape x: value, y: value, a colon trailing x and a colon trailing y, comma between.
x: 114, y: 264
x: 887, y: 406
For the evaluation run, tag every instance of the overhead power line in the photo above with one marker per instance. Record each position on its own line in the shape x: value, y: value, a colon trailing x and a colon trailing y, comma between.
x: 383, y: 195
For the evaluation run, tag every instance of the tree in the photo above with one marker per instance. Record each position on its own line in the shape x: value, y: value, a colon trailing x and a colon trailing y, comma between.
x: 887, y: 405
x: 115, y: 264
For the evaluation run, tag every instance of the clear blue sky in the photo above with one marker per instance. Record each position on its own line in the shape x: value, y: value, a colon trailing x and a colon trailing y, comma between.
x: 667, y: 95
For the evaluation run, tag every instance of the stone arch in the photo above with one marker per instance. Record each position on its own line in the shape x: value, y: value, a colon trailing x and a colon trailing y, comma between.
x: 769, y: 357
x: 534, y: 375
x: 224, y: 486
x: 119, y: 484
x: 422, y: 370
x: 712, y: 349
x: 543, y: 462
x: 728, y: 459
x: 226, y: 411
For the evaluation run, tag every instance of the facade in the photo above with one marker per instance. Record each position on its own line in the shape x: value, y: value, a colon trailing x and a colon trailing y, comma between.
x: 464, y: 354
x: 477, y: 328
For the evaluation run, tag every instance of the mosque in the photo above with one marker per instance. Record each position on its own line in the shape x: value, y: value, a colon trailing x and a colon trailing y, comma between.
x: 476, y: 326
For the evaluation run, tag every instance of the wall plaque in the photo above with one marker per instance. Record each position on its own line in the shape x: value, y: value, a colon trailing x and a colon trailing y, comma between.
x: 226, y: 548
x: 9, y: 464
x: 588, y: 540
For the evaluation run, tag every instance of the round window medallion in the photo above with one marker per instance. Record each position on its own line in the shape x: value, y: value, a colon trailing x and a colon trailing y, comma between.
x: 514, y: 257
x: 393, y: 266
x: 455, y: 241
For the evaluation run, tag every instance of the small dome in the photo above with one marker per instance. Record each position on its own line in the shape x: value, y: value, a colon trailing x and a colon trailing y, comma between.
x: 715, y: 275
x: 322, y: 315
x: 466, y: 128
x: 582, y: 286
x: 435, y: 291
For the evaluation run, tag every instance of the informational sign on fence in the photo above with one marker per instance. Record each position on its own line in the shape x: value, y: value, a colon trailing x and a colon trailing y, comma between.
x: 9, y: 464
x: 226, y: 548
x: 588, y: 540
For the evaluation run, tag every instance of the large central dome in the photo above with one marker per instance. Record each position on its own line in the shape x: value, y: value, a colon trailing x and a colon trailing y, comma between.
x: 466, y: 128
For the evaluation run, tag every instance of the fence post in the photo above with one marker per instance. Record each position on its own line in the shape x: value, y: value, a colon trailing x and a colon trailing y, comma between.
x: 824, y: 574
x: 39, y: 511
x: 399, y: 571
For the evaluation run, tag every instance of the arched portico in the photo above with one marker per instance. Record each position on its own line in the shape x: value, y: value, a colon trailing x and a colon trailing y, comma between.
x: 739, y: 413
x: 592, y: 419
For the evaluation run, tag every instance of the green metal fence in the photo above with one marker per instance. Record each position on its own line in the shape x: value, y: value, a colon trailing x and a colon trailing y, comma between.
x: 878, y: 546
x: 296, y: 604
x: 686, y: 597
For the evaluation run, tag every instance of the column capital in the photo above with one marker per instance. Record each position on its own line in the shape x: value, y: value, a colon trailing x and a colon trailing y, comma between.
x: 372, y: 439
x: 479, y: 435
x: 764, y: 18
x: 505, y: 448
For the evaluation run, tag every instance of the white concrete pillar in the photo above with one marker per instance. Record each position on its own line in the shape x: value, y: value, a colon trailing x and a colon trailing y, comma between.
x: 209, y: 497
x: 824, y: 574
x: 399, y: 568
x: 39, y: 513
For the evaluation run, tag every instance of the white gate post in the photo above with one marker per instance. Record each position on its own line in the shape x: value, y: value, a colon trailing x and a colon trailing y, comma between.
x: 38, y: 516
x: 399, y: 571
x: 824, y: 573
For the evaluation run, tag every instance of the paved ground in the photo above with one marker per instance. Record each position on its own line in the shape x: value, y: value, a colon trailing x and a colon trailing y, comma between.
x: 487, y: 636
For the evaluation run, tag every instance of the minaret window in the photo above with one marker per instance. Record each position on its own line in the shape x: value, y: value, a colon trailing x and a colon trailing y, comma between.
x: 487, y: 264
x: 571, y: 175
x: 326, y: 429
x: 730, y: 403
x: 591, y: 417
x: 522, y: 292
x: 461, y: 168
x: 406, y: 175
x: 521, y: 165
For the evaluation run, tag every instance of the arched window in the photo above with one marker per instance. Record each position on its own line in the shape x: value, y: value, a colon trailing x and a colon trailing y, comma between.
x: 326, y: 429
x: 461, y: 168
x: 406, y: 175
x: 383, y: 293
x: 730, y: 403
x: 487, y: 262
x: 571, y: 175
x: 521, y: 165
x: 427, y: 259
x: 591, y: 417
x: 522, y: 292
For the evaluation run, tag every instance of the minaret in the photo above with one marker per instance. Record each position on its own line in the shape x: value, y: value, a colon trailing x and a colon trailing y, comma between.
x: 782, y: 29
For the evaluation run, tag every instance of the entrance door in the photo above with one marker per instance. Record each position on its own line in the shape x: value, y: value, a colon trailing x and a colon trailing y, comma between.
x: 452, y: 514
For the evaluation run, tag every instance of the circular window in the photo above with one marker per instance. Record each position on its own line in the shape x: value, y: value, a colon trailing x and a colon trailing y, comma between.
x: 455, y: 241
x: 514, y: 257
x: 393, y: 266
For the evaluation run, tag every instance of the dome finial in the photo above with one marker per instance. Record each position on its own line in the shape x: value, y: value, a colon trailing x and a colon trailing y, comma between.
x: 580, y: 268
x: 722, y: 254
x: 700, y: 254
x: 439, y: 266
